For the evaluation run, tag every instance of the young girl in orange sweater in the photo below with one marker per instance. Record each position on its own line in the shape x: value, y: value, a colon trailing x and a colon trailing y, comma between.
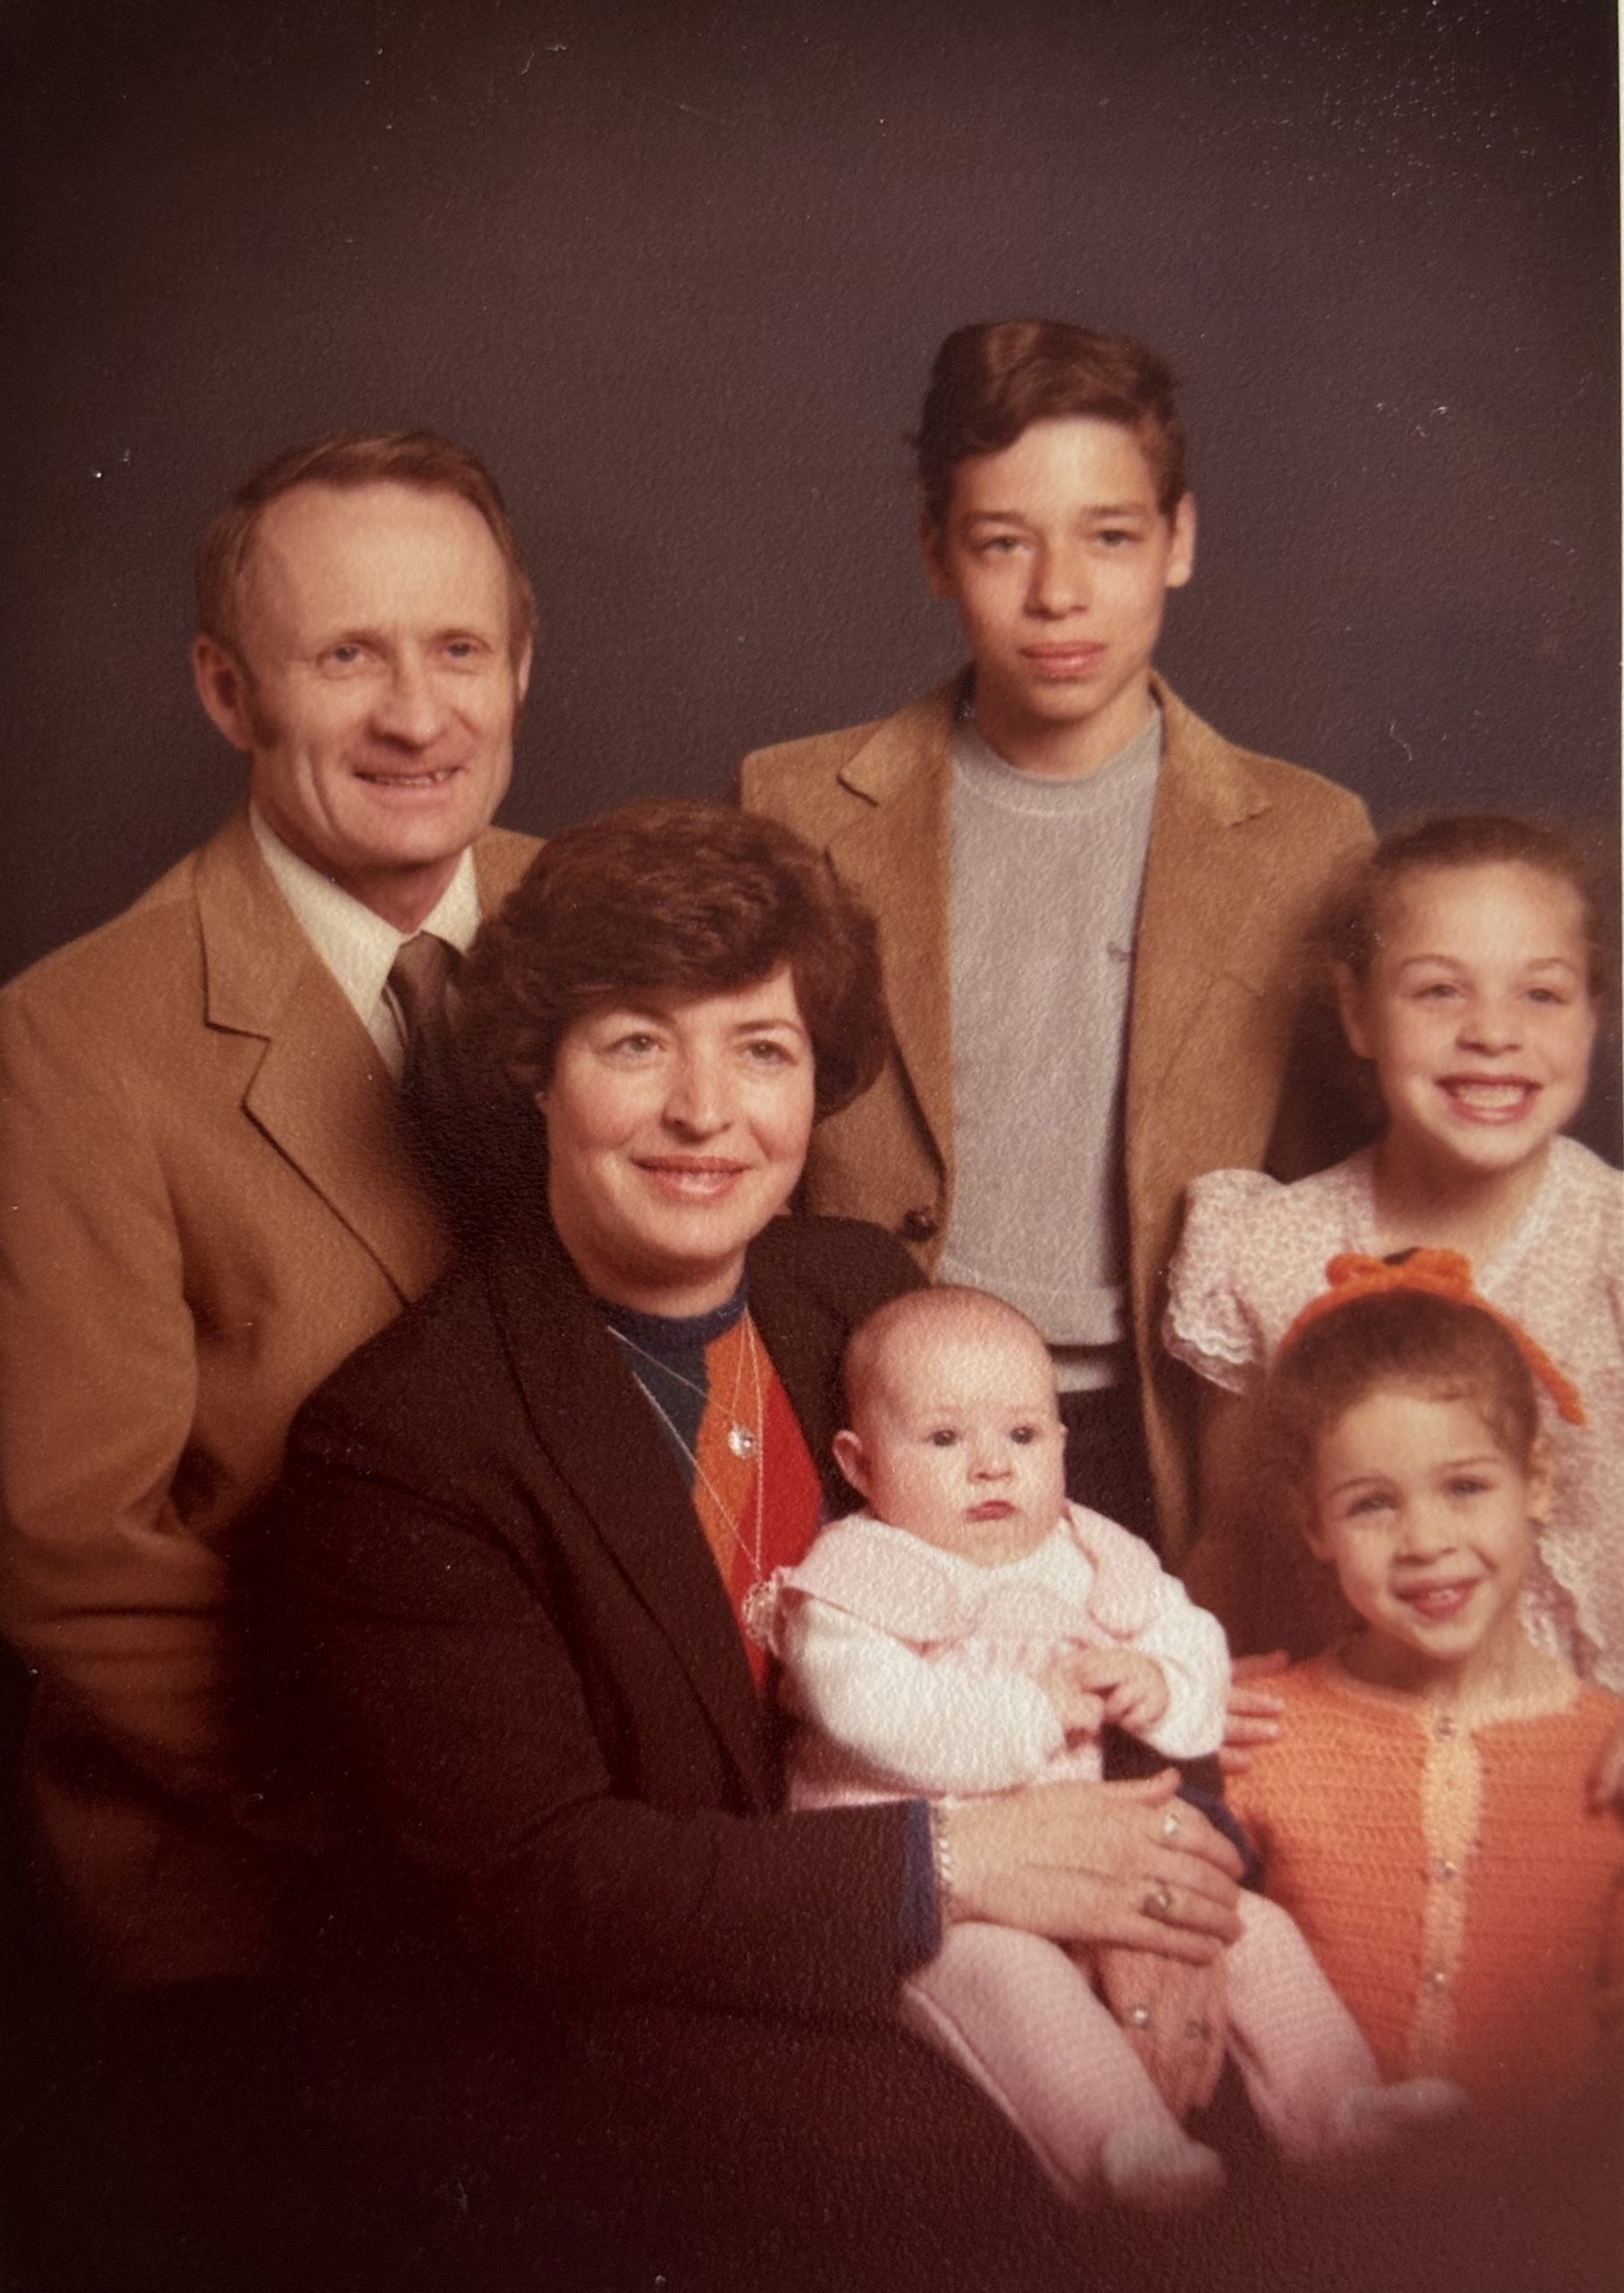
x: 1424, y: 1815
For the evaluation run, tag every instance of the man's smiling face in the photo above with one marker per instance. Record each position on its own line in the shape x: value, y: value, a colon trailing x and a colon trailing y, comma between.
x: 377, y: 690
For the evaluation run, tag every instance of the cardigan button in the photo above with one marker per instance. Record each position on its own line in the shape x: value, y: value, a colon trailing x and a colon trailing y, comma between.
x: 920, y: 1225
x: 1436, y: 1981
x: 1442, y: 1869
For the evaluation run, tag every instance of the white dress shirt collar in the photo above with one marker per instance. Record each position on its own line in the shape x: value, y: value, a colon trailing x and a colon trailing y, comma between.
x: 358, y: 947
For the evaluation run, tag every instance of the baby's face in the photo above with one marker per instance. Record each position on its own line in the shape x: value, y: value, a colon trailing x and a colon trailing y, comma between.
x: 957, y: 1440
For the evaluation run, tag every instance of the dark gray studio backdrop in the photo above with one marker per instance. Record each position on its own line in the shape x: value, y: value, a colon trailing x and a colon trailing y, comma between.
x: 678, y: 269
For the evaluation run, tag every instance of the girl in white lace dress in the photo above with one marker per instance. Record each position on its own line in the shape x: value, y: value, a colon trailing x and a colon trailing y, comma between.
x: 1466, y: 970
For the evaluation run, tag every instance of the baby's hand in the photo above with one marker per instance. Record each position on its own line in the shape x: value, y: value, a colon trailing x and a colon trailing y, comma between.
x: 1079, y: 1712
x: 1126, y: 1684
x: 1132, y: 1685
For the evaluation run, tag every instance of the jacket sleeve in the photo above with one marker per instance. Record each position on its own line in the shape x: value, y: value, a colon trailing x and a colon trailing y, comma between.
x: 497, y: 1747
x: 102, y: 1586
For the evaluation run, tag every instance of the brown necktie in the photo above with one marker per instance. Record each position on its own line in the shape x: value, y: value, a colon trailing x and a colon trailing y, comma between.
x: 421, y: 979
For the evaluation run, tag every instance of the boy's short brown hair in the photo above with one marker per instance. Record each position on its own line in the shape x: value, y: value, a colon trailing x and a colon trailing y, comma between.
x: 993, y: 381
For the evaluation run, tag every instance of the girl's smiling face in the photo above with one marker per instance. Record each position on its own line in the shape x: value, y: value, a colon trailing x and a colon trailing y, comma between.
x: 1429, y: 1524
x: 1477, y: 1015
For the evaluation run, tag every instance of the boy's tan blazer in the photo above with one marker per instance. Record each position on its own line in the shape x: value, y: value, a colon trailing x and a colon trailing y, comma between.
x: 1243, y: 848
x: 206, y: 1202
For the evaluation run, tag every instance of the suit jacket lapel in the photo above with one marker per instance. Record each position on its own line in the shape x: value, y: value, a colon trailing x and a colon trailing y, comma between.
x: 898, y: 855
x: 603, y: 1438
x: 320, y: 1091
x: 1191, y: 928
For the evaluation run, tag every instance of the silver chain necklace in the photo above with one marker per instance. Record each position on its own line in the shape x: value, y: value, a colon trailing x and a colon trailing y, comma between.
x: 742, y: 1439
x: 760, y: 1601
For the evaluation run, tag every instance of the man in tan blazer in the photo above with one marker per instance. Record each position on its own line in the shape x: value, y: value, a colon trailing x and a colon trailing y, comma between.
x: 1093, y: 907
x: 210, y: 1195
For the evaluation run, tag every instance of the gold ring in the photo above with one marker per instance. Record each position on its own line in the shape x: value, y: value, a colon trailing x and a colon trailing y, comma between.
x: 1169, y: 1824
x: 1156, y: 1901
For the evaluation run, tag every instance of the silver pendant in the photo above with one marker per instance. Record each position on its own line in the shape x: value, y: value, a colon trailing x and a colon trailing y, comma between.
x: 757, y: 1610
x: 741, y: 1441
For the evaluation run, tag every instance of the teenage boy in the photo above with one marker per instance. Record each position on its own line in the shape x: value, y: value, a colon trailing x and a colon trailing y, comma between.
x: 1093, y: 907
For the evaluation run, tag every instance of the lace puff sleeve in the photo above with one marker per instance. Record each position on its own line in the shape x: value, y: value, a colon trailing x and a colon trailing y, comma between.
x: 1210, y: 1324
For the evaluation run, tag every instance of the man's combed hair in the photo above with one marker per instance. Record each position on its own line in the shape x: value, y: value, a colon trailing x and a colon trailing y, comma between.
x: 672, y: 898
x: 993, y: 381
x: 1439, y: 1349
x: 345, y: 459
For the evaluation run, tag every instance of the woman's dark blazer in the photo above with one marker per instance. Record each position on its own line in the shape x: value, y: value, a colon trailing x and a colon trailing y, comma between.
x: 532, y: 1678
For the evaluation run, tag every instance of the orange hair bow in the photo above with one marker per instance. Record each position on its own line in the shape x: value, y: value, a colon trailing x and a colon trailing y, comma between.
x: 1437, y: 1273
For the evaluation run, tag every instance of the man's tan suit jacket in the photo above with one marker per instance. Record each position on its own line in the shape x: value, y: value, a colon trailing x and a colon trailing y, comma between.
x: 1243, y: 849
x: 206, y: 1202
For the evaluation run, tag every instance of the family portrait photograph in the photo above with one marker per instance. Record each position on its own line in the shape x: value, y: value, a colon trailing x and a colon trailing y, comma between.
x: 811, y: 1240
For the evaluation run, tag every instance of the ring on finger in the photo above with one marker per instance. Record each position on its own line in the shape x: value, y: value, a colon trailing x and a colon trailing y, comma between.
x: 1169, y: 1824
x: 1157, y: 1901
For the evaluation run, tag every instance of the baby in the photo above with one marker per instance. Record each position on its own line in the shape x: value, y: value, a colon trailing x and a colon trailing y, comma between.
x: 971, y: 1633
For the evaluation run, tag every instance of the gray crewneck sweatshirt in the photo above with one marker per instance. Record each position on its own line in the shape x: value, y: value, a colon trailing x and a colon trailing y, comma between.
x: 1045, y: 895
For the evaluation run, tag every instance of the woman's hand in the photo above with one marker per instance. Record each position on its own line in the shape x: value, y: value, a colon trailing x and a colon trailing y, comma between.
x: 1104, y: 1863
x: 1252, y: 1715
x: 1174, y: 2017
x: 1607, y: 1777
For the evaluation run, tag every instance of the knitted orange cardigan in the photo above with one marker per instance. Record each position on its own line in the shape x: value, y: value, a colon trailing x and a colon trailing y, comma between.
x: 1449, y: 1876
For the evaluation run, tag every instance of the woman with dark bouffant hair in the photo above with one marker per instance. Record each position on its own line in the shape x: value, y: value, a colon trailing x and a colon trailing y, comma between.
x: 665, y: 898
x: 526, y: 1535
